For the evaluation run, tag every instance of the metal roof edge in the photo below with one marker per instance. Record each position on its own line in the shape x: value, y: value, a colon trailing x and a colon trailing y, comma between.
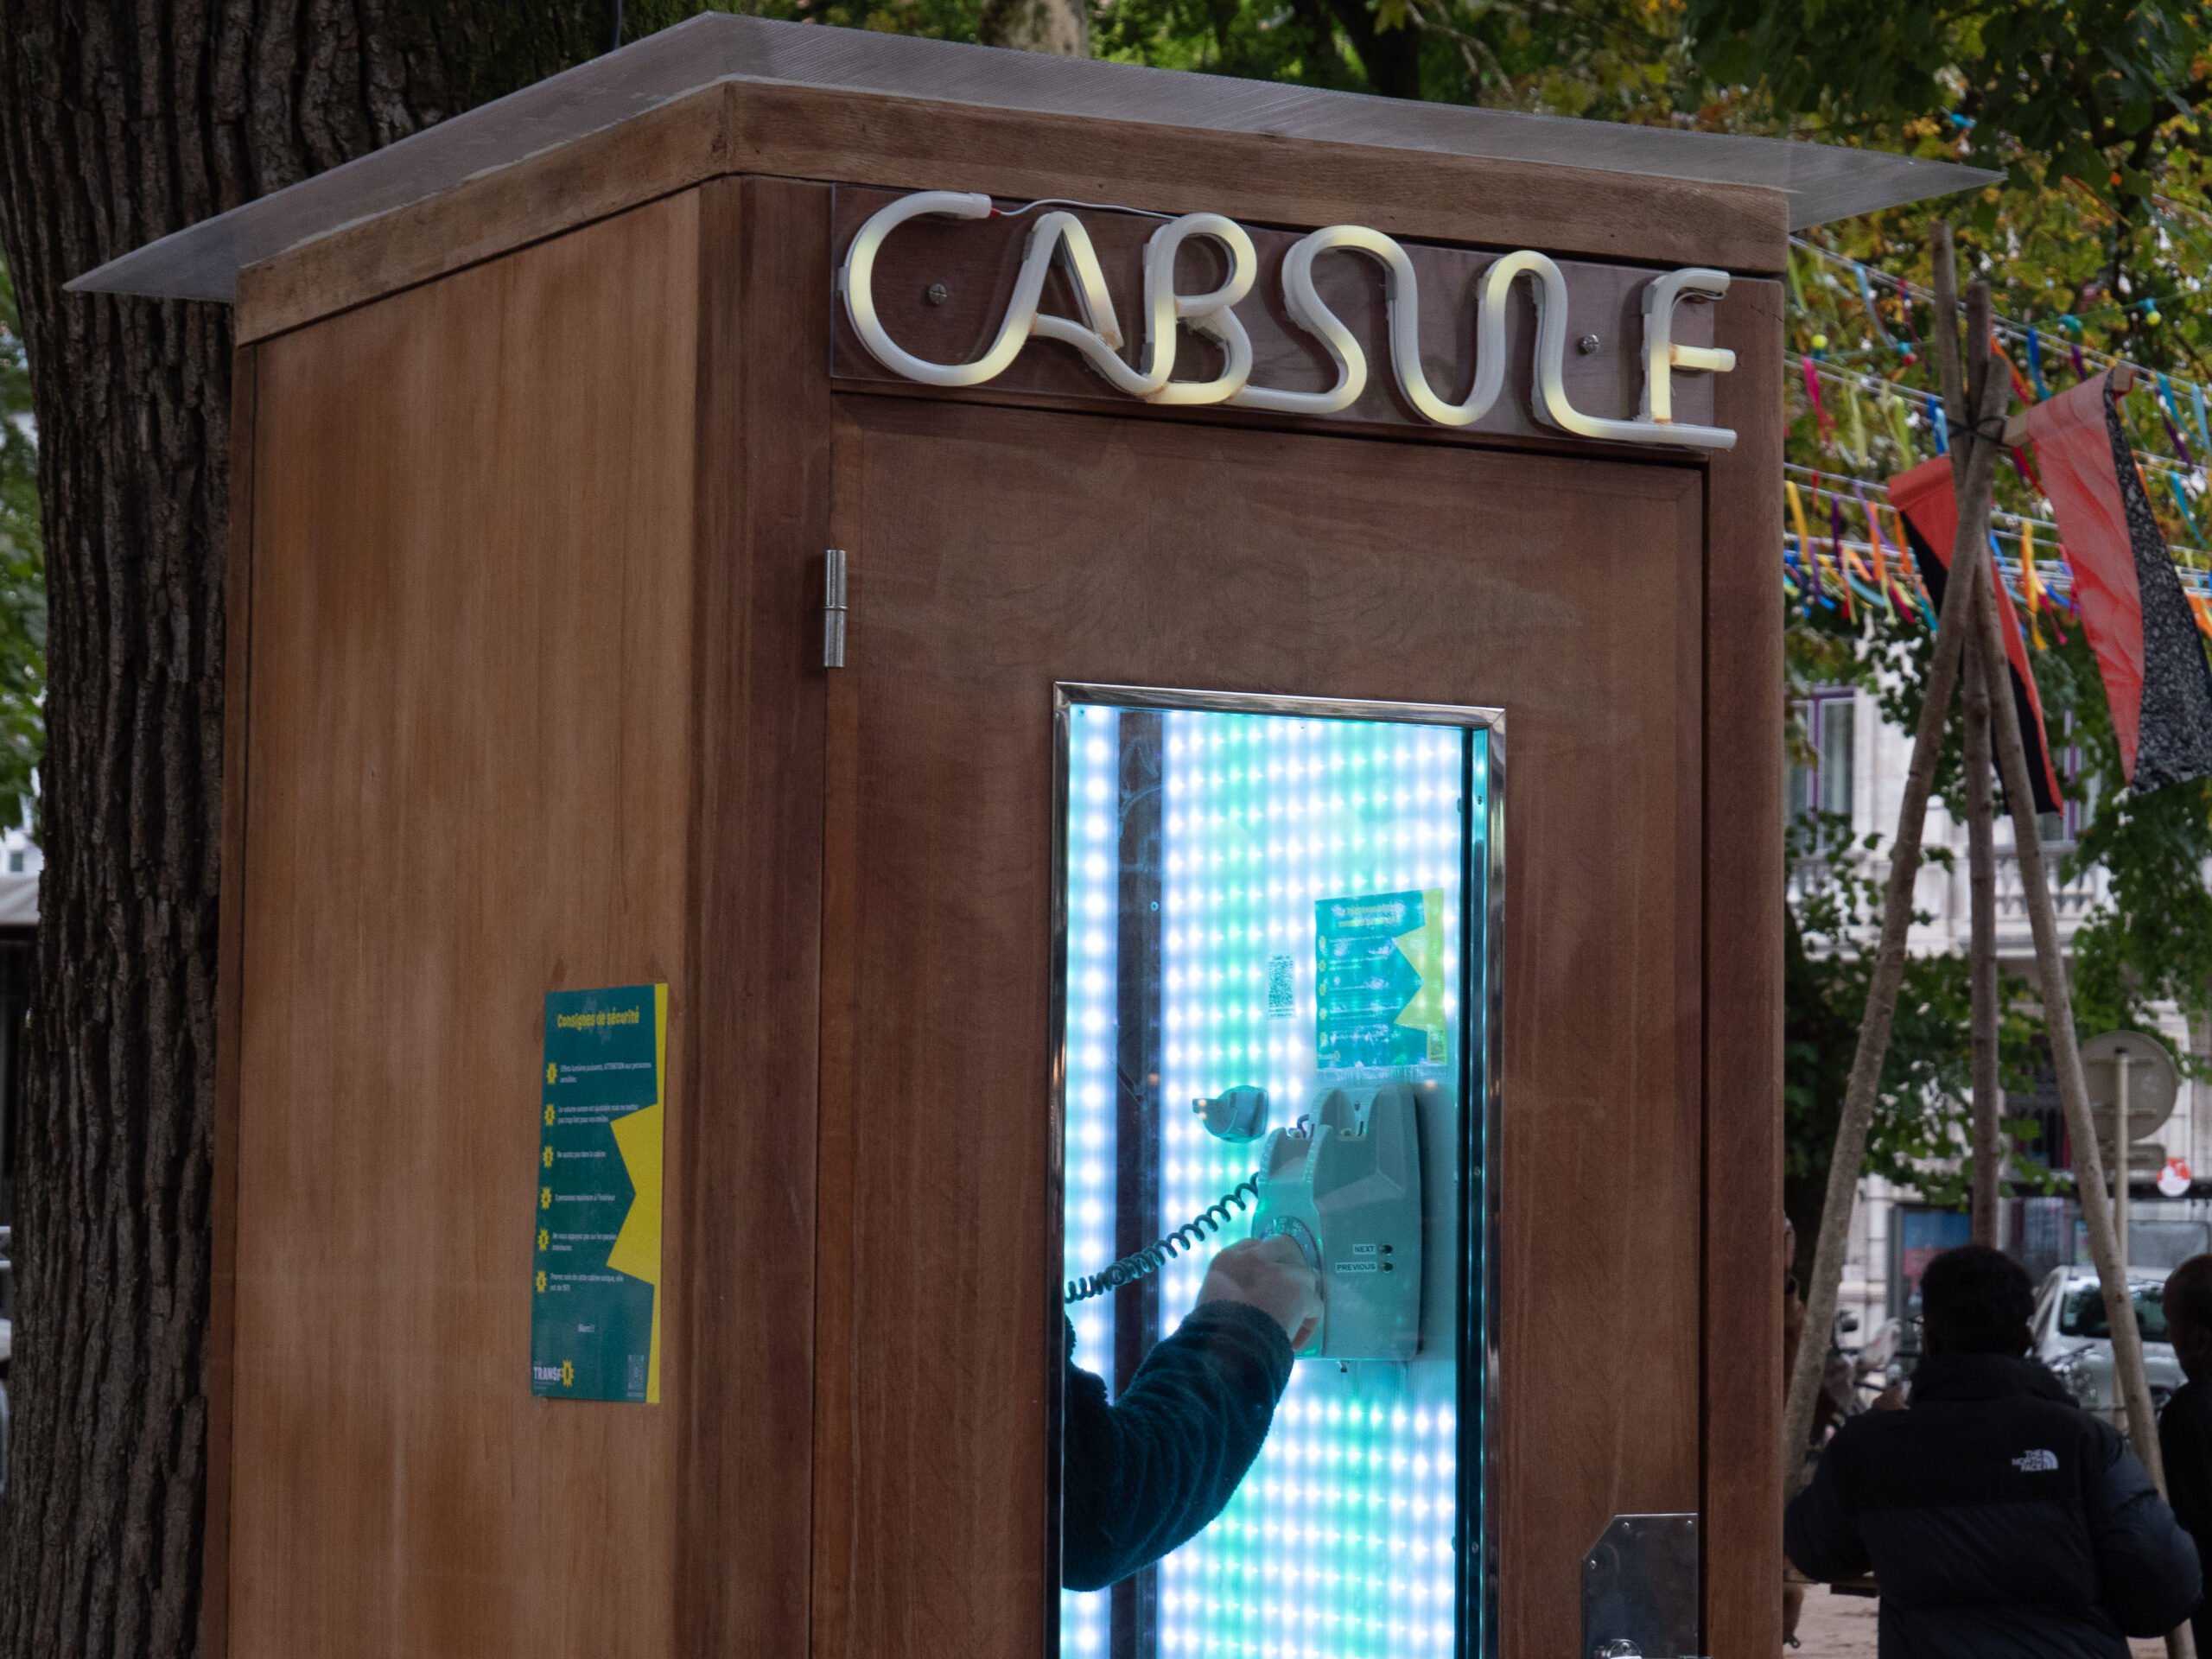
x: 201, y: 262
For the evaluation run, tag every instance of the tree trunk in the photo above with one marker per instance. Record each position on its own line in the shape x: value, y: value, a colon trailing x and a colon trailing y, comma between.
x: 120, y: 120
x: 1061, y: 28
x: 1391, y: 57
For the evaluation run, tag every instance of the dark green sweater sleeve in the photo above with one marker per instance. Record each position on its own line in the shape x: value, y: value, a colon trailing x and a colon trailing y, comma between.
x: 1145, y: 1474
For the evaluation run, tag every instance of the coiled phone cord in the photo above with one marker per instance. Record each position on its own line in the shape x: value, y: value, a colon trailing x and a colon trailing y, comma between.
x: 1189, y: 1237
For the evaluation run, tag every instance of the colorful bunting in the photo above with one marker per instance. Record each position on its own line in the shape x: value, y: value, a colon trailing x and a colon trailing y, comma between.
x: 1898, y: 427
x: 2035, y: 365
x: 2163, y: 707
x: 1813, y: 391
x: 1842, y: 563
x: 1866, y: 295
x: 2031, y: 593
x: 2181, y: 501
x: 2171, y: 416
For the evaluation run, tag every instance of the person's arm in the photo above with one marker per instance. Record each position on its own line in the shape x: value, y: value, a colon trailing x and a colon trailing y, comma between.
x: 2147, y: 1571
x: 1145, y: 1474
x: 1820, y: 1535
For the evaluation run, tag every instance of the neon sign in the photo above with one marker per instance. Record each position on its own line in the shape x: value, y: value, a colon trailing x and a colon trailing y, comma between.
x: 1095, y: 332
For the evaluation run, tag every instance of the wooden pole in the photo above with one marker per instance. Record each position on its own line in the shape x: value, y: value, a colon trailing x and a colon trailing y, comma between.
x: 1974, y: 468
x: 1981, y: 869
x: 2073, y: 1088
x: 2065, y: 1046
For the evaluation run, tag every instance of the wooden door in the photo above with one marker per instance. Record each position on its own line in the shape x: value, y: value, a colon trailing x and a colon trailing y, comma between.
x: 995, y: 551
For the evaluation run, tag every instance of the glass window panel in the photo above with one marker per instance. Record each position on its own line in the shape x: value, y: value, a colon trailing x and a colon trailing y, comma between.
x: 1801, y: 789
x: 1292, y: 902
x: 1836, y: 727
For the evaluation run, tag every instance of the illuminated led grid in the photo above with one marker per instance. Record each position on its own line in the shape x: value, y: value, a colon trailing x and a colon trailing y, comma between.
x: 1339, y: 1544
x: 1093, y: 894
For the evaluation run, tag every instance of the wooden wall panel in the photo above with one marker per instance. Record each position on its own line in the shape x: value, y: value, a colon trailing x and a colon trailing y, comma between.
x: 543, y: 535
x: 1743, y: 990
x: 1000, y: 551
x: 222, y: 1282
x: 469, y: 742
x: 743, y: 1583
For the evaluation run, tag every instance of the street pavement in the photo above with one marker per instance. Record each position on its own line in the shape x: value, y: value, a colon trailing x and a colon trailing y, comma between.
x: 1843, y: 1627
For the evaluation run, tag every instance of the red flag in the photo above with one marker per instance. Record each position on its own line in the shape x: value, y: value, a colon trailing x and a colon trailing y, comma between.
x: 2126, y: 591
x: 1931, y: 516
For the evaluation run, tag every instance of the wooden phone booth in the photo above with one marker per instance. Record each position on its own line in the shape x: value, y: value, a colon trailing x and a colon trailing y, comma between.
x: 894, y: 669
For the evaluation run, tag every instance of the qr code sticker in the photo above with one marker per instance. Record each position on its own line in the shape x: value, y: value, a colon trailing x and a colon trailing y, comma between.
x: 1282, y: 989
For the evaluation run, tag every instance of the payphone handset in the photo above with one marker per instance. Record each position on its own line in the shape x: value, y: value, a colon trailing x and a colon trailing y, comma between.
x: 1346, y: 1186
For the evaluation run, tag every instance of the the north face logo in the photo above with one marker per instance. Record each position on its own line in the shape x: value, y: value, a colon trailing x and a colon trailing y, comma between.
x: 2037, y: 1463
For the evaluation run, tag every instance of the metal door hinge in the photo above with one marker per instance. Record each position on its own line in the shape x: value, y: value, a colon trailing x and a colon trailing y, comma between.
x: 833, y: 608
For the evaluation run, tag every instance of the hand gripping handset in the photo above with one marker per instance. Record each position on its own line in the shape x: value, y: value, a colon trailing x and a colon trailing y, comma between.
x: 1345, y: 1185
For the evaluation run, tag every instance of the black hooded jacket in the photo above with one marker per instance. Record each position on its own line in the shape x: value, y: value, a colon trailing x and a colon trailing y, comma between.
x: 2000, y: 1519
x: 2185, y: 1441
x: 1143, y: 1475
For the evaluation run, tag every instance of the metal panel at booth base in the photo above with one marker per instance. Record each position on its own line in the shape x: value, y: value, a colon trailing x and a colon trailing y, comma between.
x: 1639, y: 1589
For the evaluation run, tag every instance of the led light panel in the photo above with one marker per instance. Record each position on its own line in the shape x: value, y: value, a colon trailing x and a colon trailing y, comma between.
x: 1092, y: 875
x: 1351, y: 1535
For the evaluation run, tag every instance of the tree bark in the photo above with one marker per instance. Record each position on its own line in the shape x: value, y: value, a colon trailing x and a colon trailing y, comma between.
x: 1981, y: 954
x: 1060, y: 27
x: 120, y: 120
x: 1391, y: 57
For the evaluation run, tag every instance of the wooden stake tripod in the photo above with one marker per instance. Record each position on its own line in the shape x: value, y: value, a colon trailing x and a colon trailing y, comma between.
x: 1969, y: 628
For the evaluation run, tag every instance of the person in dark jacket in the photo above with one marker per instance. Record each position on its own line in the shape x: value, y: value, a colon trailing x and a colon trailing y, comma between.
x: 1999, y: 1518
x: 1145, y: 1474
x: 2185, y: 1426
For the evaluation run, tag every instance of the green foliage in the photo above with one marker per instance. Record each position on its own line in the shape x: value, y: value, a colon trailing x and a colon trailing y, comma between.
x: 2153, y: 941
x: 1615, y: 60
x: 22, y: 576
x: 2050, y: 254
x: 1920, y: 1136
x: 937, y: 19
x: 2084, y: 87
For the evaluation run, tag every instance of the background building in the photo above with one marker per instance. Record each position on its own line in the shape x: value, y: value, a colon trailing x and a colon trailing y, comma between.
x: 1856, y: 768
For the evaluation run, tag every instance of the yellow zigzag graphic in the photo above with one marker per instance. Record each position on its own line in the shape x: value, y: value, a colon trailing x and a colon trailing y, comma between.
x: 636, y: 1246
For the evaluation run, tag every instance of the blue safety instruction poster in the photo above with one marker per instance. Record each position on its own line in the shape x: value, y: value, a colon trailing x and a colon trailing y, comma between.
x: 1379, y: 980
x: 594, y: 1308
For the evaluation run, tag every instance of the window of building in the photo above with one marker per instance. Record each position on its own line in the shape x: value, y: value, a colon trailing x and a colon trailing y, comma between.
x: 1820, y: 775
x: 2065, y: 827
